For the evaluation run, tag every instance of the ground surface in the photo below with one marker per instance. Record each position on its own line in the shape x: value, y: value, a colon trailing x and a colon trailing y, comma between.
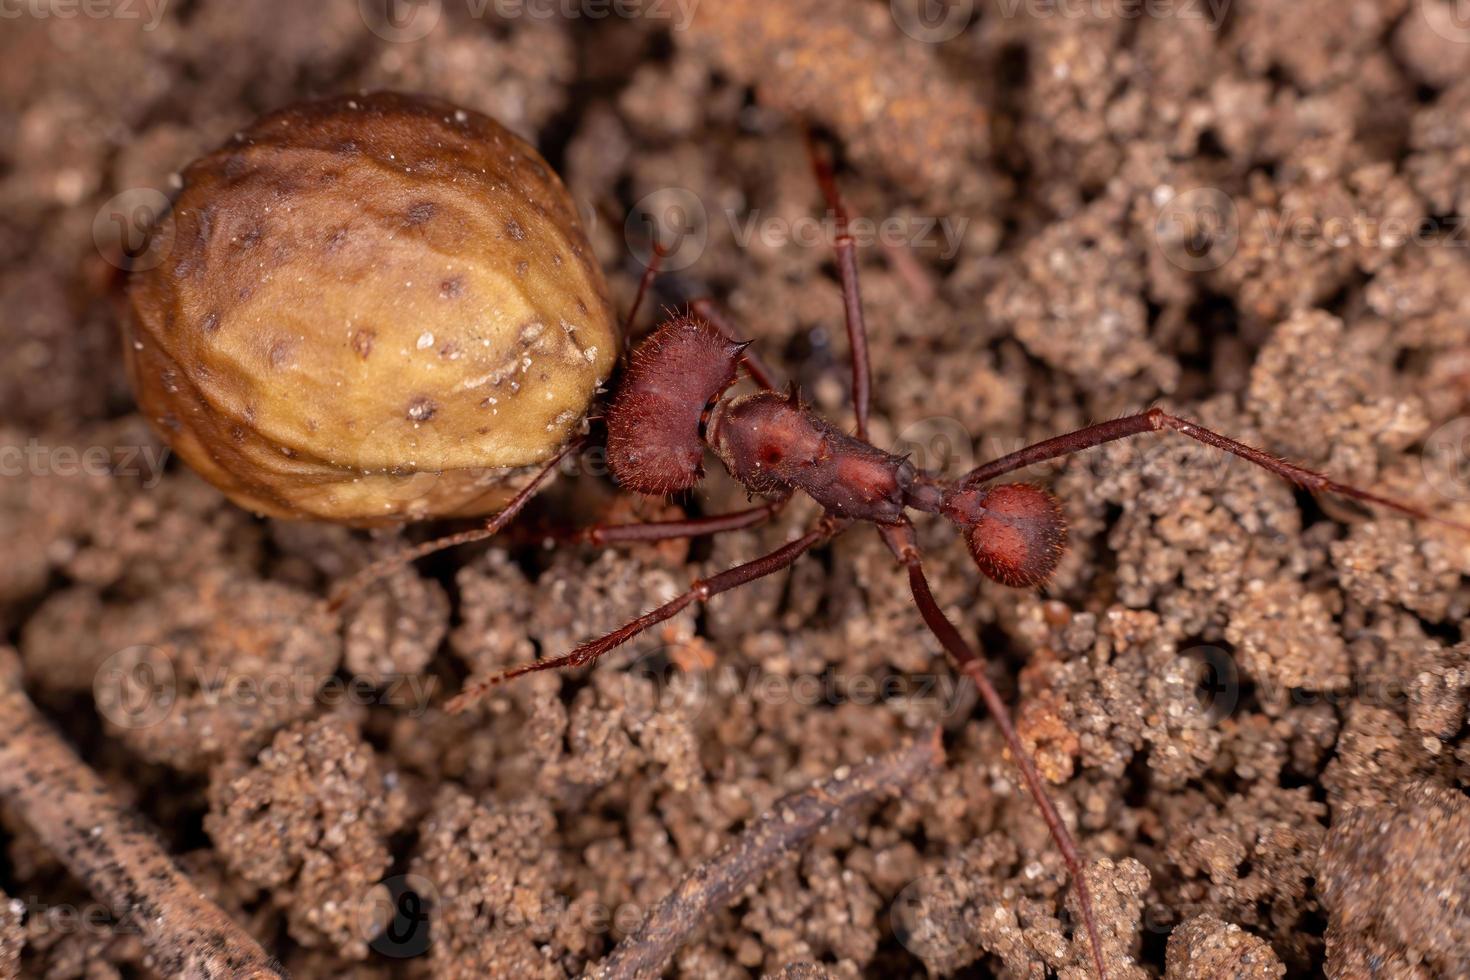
x: 1251, y: 705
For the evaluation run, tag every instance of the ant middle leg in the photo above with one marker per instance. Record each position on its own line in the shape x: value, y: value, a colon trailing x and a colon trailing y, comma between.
x: 701, y: 590
x: 600, y: 535
x: 1157, y: 420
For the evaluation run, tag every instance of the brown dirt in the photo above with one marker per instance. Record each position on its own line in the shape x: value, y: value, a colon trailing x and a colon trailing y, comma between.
x: 1251, y: 705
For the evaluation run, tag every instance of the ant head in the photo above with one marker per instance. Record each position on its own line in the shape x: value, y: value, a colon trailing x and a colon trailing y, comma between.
x: 654, y: 444
x: 1016, y: 532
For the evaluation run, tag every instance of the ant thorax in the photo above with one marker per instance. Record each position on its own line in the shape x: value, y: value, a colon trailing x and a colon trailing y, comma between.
x: 773, y: 444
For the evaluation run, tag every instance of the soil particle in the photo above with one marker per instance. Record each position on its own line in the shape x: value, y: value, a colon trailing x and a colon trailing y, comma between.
x: 1222, y: 868
x: 1324, y: 394
x: 12, y: 936
x: 1394, y: 886
x: 1377, y: 756
x: 890, y: 101
x: 308, y: 820
x: 195, y: 671
x: 801, y: 971
x: 1205, y: 948
x: 517, y: 75
x: 1250, y: 706
x: 496, y: 878
x: 395, y: 629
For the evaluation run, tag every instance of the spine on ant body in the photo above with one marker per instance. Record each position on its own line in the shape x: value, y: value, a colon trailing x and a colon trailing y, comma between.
x: 772, y: 443
x: 654, y: 443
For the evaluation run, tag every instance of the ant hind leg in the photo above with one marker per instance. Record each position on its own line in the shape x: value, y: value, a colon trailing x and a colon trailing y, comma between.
x: 901, y: 541
x: 1156, y: 420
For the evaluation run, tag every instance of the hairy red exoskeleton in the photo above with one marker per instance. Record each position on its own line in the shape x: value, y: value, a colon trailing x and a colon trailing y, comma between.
x: 674, y: 404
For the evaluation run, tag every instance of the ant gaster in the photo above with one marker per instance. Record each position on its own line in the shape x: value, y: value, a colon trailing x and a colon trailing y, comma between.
x: 672, y: 405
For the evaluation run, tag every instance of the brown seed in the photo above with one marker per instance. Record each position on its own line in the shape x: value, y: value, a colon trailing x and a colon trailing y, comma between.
x: 296, y: 229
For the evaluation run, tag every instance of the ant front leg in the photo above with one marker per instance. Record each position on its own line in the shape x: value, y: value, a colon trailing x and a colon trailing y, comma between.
x: 901, y: 541
x: 701, y: 590
x: 378, y: 569
x: 1156, y: 420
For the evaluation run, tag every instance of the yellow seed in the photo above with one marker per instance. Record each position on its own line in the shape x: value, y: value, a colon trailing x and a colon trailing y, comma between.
x: 443, y: 243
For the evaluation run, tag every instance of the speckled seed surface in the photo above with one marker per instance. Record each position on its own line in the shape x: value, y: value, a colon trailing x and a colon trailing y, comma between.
x: 375, y: 308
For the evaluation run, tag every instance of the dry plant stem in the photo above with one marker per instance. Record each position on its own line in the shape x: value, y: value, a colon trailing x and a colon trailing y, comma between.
x: 106, y: 847
x: 787, y: 826
x: 901, y: 540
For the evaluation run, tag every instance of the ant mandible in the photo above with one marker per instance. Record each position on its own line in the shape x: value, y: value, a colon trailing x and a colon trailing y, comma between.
x: 672, y: 406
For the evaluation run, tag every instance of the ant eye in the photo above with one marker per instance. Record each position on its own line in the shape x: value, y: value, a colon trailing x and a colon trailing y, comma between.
x: 1016, y: 532
x: 771, y: 455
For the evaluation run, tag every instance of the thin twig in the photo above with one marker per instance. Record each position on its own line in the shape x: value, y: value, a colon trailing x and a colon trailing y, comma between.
x: 107, y: 847
x: 787, y: 826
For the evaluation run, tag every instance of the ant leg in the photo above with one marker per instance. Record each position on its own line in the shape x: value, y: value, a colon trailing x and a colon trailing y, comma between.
x: 852, y: 297
x: 600, y: 535
x: 706, y: 310
x: 901, y: 541
x: 699, y: 591
x: 383, y: 566
x: 1155, y: 420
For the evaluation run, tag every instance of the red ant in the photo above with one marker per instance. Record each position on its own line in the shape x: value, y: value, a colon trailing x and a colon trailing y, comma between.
x: 671, y: 407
